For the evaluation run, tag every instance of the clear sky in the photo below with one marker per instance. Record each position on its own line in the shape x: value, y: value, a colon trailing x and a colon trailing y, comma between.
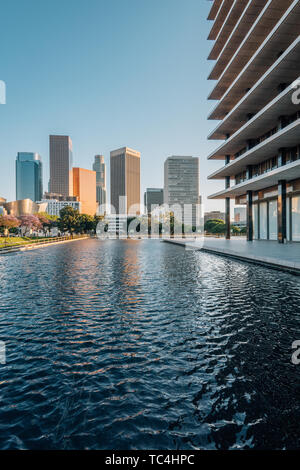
x: 109, y: 73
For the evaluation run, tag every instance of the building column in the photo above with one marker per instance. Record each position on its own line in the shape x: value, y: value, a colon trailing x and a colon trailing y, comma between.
x: 227, y: 203
x: 282, y: 208
x: 249, y: 216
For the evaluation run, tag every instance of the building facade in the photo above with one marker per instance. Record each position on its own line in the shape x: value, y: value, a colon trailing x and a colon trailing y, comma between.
x: 84, y: 188
x: 181, y: 187
x: 61, y: 162
x: 29, y: 176
x: 100, y: 168
x: 153, y: 197
x: 54, y: 206
x: 257, y: 67
x: 23, y: 207
x: 125, y: 186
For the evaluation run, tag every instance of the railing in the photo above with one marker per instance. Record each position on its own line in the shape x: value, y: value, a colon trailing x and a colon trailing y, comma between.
x: 40, y: 241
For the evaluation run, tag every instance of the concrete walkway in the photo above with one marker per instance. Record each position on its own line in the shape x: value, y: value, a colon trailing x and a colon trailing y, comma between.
x: 272, y: 254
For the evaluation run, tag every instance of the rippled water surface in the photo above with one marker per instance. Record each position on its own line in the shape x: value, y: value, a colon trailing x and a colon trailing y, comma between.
x: 144, y: 345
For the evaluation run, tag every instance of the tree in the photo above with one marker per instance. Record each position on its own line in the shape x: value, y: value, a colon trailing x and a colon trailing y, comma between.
x: 30, y: 222
x: 235, y: 230
x: 96, y: 220
x: 8, y: 222
x: 45, y: 221
x: 69, y: 220
x: 85, y: 223
x: 215, y: 226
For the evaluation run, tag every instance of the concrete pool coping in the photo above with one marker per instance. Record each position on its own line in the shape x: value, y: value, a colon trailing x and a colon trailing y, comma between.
x: 284, y: 257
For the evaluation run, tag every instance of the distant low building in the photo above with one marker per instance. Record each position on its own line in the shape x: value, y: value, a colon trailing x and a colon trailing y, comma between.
x: 117, y: 224
x: 24, y: 207
x: 54, y: 206
x: 240, y: 215
x: 2, y: 210
x: 214, y: 215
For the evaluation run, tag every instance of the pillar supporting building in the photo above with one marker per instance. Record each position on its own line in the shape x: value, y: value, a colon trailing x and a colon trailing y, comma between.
x: 256, y: 90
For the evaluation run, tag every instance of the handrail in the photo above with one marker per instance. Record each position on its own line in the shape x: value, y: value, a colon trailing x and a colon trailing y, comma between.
x: 48, y: 241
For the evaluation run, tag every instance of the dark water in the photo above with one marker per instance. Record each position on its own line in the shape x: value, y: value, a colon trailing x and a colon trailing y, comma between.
x: 143, y: 345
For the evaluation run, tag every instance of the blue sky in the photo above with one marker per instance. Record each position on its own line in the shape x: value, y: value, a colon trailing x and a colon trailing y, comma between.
x: 109, y: 73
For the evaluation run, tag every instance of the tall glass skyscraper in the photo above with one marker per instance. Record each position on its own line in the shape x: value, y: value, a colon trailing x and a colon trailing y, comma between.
x: 100, y: 168
x: 29, y: 180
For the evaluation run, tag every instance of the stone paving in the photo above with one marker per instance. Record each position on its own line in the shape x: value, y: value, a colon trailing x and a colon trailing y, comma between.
x: 283, y: 256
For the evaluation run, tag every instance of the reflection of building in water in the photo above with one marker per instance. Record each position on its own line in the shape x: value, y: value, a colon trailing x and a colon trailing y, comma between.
x: 127, y: 274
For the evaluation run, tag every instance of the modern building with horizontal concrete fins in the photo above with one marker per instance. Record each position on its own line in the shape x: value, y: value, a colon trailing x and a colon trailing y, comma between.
x: 125, y: 184
x: 256, y: 71
x: 181, y: 186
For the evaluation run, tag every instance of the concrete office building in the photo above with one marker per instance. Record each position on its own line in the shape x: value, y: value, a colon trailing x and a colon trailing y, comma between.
x: 125, y: 181
x: 29, y: 178
x: 54, y: 206
x: 181, y: 187
x: 84, y: 188
x: 153, y: 197
x: 61, y: 162
x: 100, y: 168
x: 55, y: 203
x: 257, y: 60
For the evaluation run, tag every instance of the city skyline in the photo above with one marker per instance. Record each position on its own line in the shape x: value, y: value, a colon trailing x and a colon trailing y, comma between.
x: 84, y: 107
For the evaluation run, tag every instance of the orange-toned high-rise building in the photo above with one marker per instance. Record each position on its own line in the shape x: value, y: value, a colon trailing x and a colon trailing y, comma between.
x: 84, y: 187
x: 125, y: 181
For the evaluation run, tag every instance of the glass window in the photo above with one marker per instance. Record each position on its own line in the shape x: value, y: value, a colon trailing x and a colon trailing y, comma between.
x: 255, y: 221
x: 296, y: 219
x: 273, y: 227
x: 263, y: 222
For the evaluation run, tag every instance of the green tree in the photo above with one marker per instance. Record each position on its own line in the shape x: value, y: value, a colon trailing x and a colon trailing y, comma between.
x: 235, y: 230
x: 85, y: 223
x: 68, y: 220
x: 47, y: 221
x: 215, y: 226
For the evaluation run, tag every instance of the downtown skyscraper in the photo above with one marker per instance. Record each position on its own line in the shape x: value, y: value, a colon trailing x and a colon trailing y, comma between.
x: 181, y: 187
x: 29, y: 180
x: 61, y: 162
x: 100, y: 168
x: 125, y: 181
